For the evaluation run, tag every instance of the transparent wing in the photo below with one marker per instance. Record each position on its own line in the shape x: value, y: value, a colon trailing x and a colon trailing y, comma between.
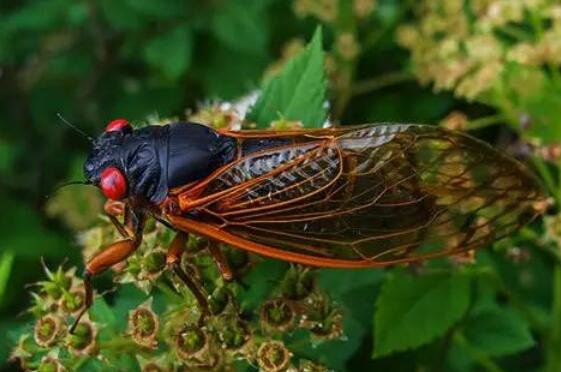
x: 371, y: 196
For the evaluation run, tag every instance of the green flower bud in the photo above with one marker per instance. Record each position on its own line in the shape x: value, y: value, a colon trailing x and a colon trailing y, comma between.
x: 273, y: 356
x: 48, y: 330
x: 83, y: 341
x: 73, y: 301
x: 50, y: 364
x: 322, y: 317
x: 297, y: 283
x: 277, y: 315
x: 191, y: 341
x: 143, y: 325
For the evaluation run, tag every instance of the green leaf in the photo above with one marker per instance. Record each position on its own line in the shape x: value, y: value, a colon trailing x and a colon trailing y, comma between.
x: 298, y: 92
x: 414, y: 310
x: 6, y: 262
x: 498, y: 331
x: 170, y: 52
x: 241, y: 24
x: 261, y: 280
x: 102, y: 313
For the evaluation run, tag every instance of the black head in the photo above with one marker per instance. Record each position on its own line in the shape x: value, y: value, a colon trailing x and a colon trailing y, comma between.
x: 129, y: 163
x: 145, y: 163
x: 104, y: 166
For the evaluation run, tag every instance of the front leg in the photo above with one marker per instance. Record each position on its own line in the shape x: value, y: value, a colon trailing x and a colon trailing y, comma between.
x: 173, y: 261
x: 113, y: 254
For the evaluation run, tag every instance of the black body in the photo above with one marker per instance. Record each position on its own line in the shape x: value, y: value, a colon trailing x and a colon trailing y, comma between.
x: 155, y: 159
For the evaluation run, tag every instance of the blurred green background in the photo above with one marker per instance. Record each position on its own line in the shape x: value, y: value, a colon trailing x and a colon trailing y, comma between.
x: 482, y: 65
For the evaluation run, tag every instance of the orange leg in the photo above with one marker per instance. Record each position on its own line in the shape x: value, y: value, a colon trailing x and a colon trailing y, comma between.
x: 113, y: 254
x: 173, y: 260
x: 114, y: 209
x: 220, y: 260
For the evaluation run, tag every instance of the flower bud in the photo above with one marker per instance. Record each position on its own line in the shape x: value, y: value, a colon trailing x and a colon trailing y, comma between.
x: 277, y: 315
x: 190, y: 341
x: 83, y: 341
x: 73, y: 301
x: 50, y: 364
x: 297, y: 283
x: 322, y: 317
x: 48, y: 330
x: 273, y: 356
x: 143, y: 325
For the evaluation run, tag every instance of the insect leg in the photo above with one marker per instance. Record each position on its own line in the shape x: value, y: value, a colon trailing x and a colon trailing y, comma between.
x: 113, y: 209
x: 173, y: 260
x: 220, y: 260
x: 110, y: 256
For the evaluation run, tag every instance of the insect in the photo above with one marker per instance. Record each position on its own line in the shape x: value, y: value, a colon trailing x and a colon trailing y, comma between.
x: 347, y: 197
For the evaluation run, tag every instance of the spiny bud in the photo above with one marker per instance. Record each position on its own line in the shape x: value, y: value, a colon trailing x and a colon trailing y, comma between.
x: 277, y: 315
x: 59, y: 281
x: 73, y: 301
x: 297, y: 283
x: 273, y: 356
x: 83, y: 341
x: 143, y: 325
x: 322, y: 317
x: 190, y: 341
x: 50, y: 364
x: 23, y: 351
x: 48, y: 330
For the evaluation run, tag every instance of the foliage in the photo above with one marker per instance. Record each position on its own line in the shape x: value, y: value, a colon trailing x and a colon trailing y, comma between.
x: 489, y: 67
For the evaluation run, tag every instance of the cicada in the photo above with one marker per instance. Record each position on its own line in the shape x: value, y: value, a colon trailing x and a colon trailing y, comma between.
x: 346, y: 197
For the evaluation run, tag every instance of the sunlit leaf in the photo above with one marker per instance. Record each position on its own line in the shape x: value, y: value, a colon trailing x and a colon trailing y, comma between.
x: 298, y: 92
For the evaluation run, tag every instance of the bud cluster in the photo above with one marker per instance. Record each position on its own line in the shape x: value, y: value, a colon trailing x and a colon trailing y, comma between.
x: 167, y: 331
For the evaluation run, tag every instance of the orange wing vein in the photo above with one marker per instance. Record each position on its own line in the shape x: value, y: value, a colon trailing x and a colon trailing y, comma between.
x: 365, y: 196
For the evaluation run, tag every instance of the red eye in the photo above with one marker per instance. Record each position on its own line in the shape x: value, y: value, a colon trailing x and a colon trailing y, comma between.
x: 117, y: 125
x: 113, y: 183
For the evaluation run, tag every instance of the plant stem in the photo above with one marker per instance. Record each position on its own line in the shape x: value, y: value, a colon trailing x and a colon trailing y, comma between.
x: 554, y: 340
x: 380, y: 82
x: 485, y: 121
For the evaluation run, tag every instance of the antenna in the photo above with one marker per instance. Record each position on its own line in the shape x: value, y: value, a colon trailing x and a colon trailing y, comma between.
x: 75, y: 128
